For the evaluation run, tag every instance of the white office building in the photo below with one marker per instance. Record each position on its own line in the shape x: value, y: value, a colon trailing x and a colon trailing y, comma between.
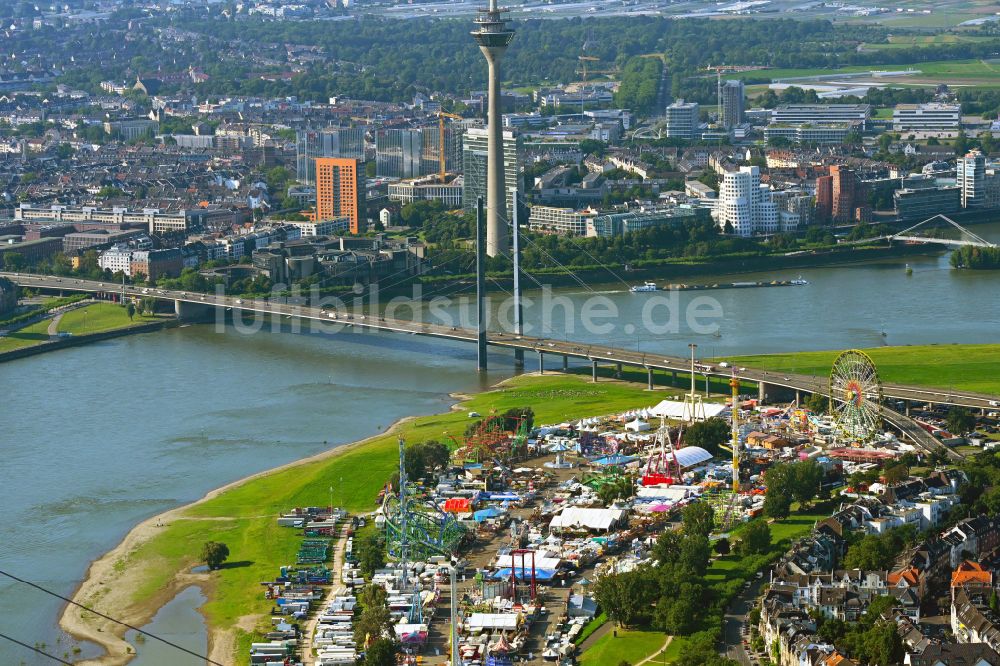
x: 118, y: 259
x: 970, y: 173
x: 560, y: 221
x: 933, y: 117
x: 682, y: 120
x: 311, y: 229
x: 798, y: 114
x: 746, y: 204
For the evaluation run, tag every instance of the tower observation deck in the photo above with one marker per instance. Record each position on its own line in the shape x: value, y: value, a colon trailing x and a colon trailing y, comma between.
x: 493, y: 36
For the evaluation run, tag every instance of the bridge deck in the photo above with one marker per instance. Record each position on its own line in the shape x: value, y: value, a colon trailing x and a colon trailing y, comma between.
x: 334, y: 321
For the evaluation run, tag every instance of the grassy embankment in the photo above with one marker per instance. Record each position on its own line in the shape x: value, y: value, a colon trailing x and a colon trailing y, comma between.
x: 34, y: 334
x: 244, y: 517
x: 630, y: 645
x: 98, y: 318
x: 954, y: 367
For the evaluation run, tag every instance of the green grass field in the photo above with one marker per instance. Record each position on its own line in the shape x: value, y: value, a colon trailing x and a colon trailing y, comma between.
x: 630, y: 646
x: 35, y: 334
x: 977, y: 72
x: 958, y: 367
x: 98, y: 318
x: 244, y: 517
x: 897, y: 42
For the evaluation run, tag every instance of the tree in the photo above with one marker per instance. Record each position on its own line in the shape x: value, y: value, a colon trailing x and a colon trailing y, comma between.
x: 960, y: 421
x: 894, y: 474
x: 722, y: 546
x: 381, y: 652
x: 756, y: 538
x: 778, y: 499
x: 374, y: 622
x: 817, y: 403
x: 699, y: 650
x: 986, y: 143
x: 371, y: 554
x: 961, y: 143
x: 626, y: 596
x: 130, y: 310
x: 214, y: 553
x: 805, y: 477
x: 707, y: 434
x: 695, y: 551
x: 698, y: 519
x: 13, y: 261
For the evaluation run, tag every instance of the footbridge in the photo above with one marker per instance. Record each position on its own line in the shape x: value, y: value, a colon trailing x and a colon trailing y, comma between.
x: 549, y: 351
x: 939, y: 222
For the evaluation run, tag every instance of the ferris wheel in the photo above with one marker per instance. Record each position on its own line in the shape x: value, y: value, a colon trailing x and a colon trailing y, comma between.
x: 856, y: 396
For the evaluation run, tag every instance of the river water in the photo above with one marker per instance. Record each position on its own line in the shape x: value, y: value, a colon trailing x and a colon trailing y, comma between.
x: 97, y: 438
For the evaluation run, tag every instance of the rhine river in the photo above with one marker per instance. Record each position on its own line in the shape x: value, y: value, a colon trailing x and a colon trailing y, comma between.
x: 97, y: 438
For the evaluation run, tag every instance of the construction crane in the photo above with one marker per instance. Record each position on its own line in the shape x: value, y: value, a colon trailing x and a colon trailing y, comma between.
x: 585, y: 69
x: 441, y: 156
x: 734, y: 384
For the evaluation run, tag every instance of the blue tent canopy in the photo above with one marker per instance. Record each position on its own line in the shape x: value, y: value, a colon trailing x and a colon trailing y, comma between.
x: 486, y: 514
x: 616, y: 459
x: 523, y: 574
x: 499, y: 497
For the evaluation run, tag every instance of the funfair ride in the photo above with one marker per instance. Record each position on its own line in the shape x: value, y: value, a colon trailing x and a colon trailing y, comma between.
x: 856, y: 396
x: 417, y: 528
x: 663, y: 468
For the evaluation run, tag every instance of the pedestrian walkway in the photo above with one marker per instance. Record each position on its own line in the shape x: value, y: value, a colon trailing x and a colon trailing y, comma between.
x: 656, y: 654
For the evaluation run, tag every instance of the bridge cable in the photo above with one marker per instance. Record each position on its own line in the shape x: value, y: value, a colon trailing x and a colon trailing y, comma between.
x: 108, y: 617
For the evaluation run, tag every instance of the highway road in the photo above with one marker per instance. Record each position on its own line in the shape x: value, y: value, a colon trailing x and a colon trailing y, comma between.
x: 597, y: 354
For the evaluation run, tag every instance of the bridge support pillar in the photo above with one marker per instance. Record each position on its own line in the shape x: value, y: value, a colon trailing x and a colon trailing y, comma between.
x: 762, y: 391
x: 192, y: 311
x: 518, y: 358
x: 541, y: 362
x: 618, y: 370
x: 565, y: 363
x: 673, y: 378
x: 798, y: 398
x: 649, y: 379
x: 906, y: 407
x: 593, y: 371
x: 708, y: 389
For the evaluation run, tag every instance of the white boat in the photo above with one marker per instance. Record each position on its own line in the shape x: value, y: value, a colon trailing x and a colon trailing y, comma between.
x: 646, y: 286
x: 798, y: 282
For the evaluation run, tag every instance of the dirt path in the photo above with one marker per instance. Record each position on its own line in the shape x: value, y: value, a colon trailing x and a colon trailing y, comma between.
x: 53, y: 329
x: 656, y: 654
x: 338, y: 588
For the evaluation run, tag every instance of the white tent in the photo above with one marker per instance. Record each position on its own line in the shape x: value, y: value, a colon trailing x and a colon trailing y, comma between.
x: 674, y: 409
x: 587, y: 518
x: 541, y: 562
x: 637, y: 426
x: 494, y: 621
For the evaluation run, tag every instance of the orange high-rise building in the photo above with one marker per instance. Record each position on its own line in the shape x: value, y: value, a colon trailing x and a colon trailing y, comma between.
x: 846, y: 194
x: 824, y: 199
x: 339, y: 190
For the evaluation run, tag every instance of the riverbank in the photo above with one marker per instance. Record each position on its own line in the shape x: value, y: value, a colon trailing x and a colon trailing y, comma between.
x: 57, y: 343
x: 700, y: 268
x: 154, y: 561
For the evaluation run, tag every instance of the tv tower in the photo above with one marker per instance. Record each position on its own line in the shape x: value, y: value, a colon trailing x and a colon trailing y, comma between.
x: 493, y: 36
